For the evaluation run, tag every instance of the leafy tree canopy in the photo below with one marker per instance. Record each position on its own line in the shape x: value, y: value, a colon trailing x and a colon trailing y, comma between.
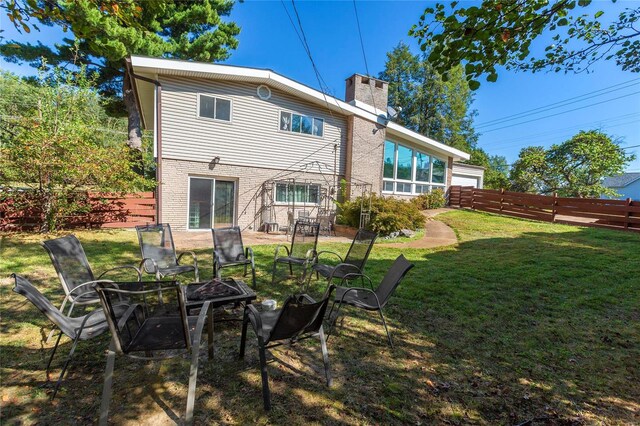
x: 500, y: 33
x: 496, y: 168
x: 57, y: 142
x: 574, y: 168
x: 429, y: 105
x: 104, y: 33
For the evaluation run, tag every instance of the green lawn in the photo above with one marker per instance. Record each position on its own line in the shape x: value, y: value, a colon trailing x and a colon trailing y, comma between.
x: 521, y: 320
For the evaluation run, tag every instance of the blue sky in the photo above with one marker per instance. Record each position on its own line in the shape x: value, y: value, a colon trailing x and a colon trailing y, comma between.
x: 268, y: 40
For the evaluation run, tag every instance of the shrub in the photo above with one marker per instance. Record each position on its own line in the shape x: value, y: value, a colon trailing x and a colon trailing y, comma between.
x: 62, y: 145
x: 431, y: 200
x: 387, y: 214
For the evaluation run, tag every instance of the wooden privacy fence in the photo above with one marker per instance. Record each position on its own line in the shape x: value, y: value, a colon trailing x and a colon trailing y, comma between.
x: 102, y: 211
x: 613, y: 214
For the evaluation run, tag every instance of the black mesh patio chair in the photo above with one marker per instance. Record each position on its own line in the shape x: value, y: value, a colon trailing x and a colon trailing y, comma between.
x: 299, y: 318
x: 326, y: 222
x: 302, y: 250
x: 372, y: 300
x: 228, y: 251
x: 84, y: 327
x: 73, y: 269
x: 152, y: 329
x: 159, y: 253
x: 353, y: 263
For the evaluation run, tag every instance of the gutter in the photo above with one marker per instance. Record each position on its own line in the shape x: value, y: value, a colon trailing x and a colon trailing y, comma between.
x: 157, y: 132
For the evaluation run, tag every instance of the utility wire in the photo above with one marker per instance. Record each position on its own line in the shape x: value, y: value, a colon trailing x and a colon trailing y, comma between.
x: 364, y: 55
x: 562, y: 112
x: 577, y: 126
x: 509, y: 143
x: 324, y: 89
x: 501, y: 148
x: 555, y: 107
x: 544, y: 108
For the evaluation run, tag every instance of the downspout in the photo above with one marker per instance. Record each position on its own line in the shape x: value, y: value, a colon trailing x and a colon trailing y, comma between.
x: 158, y: 135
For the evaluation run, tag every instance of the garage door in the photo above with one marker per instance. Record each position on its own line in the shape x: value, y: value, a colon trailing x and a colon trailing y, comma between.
x: 464, y: 181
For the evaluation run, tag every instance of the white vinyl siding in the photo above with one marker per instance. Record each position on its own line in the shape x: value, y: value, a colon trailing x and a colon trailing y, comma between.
x: 253, y: 138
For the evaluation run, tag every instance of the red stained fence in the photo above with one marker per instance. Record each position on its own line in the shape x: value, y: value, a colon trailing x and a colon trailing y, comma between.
x: 613, y: 214
x: 103, y: 211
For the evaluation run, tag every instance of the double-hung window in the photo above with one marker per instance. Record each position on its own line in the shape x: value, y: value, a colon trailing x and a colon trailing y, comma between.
x: 305, y: 124
x: 409, y: 171
x: 214, y: 108
x: 300, y: 193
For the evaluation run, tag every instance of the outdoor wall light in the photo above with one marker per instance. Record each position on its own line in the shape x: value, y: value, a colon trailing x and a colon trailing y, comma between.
x: 213, y: 163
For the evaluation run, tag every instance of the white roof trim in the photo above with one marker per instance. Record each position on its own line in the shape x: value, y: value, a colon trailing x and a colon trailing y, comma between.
x: 365, y: 106
x: 396, y: 129
x: 158, y: 66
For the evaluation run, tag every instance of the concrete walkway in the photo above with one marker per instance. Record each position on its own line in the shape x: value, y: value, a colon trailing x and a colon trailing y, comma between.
x: 436, y: 234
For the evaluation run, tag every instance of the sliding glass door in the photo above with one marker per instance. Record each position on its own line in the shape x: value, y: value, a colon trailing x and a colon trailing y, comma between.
x: 223, y: 204
x: 211, y: 203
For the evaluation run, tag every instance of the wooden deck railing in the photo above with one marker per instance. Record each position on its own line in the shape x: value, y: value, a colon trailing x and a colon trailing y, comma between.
x: 599, y: 212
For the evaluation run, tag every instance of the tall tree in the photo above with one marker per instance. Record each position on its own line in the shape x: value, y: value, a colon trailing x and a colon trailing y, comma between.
x: 500, y: 33
x: 106, y: 32
x: 429, y: 105
x: 574, y: 168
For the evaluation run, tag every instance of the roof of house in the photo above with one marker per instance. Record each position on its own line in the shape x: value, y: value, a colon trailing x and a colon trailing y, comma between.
x: 620, y: 181
x: 471, y: 166
x: 153, y: 67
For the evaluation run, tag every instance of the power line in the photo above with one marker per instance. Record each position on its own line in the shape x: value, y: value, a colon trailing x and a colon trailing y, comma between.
x: 584, y: 124
x: 364, y: 55
x: 324, y: 89
x: 366, y: 65
x: 562, y: 112
x: 555, y: 133
x: 565, y: 102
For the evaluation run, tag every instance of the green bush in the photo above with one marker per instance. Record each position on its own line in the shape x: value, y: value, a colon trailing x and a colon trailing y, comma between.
x: 431, y: 200
x: 387, y: 214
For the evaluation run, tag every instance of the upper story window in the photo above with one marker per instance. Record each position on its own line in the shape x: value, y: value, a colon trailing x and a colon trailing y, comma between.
x: 409, y: 171
x: 305, y: 124
x: 305, y: 193
x: 214, y: 107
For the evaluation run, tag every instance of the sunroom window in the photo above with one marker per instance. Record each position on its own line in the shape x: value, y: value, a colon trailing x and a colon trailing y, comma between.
x: 409, y: 171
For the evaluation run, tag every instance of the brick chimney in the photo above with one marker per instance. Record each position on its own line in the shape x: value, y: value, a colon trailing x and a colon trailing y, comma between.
x: 371, y: 91
x: 365, y: 138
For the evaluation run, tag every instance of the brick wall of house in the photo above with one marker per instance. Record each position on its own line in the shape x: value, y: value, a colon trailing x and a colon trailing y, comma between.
x: 369, y: 90
x: 249, y: 195
x: 365, y: 152
x: 365, y: 139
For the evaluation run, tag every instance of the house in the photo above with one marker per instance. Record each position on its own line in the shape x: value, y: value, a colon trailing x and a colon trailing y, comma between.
x: 248, y: 146
x: 626, y: 184
x: 467, y: 175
